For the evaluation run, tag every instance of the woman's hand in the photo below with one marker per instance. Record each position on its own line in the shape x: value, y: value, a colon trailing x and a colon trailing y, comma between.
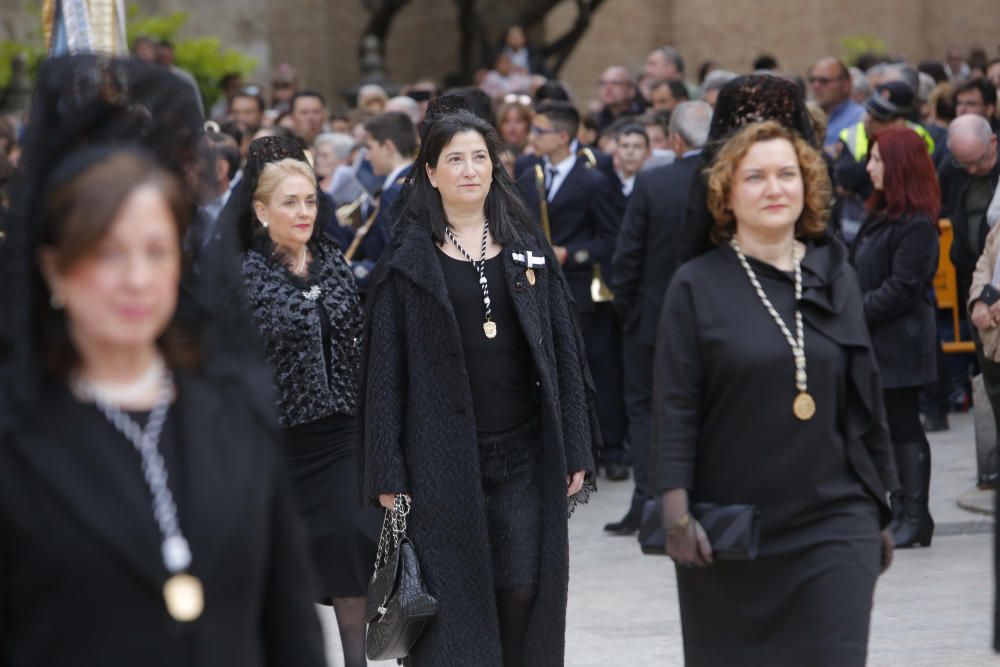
x: 687, y: 543
x: 575, y: 482
x: 688, y: 546
x: 981, y: 317
x: 387, y: 500
x: 887, y: 547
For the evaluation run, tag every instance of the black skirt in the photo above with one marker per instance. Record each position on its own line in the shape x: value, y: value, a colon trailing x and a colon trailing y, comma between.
x: 343, y: 534
x: 810, y: 606
x: 511, y: 471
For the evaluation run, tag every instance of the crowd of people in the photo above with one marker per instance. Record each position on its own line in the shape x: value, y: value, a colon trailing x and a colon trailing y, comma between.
x: 233, y: 335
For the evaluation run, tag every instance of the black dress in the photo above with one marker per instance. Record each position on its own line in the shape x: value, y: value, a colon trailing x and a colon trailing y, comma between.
x: 724, y: 429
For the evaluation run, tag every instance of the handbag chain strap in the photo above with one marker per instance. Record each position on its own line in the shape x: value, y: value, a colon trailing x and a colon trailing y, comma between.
x: 393, y: 529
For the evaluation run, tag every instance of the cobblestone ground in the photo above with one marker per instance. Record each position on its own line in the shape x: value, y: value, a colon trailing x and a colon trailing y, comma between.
x: 932, y: 609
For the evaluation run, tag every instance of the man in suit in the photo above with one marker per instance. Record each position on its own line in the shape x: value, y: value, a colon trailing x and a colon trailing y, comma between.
x: 631, y: 152
x: 392, y: 146
x: 580, y: 201
x: 643, y: 265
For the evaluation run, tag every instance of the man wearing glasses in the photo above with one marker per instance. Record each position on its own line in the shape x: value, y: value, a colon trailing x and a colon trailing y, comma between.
x: 617, y: 94
x: 968, y: 182
x: 830, y: 82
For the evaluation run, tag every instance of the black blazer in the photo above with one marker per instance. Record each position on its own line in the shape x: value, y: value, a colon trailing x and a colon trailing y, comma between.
x: 896, y: 261
x: 583, y: 220
x: 81, y: 574
x: 644, y: 260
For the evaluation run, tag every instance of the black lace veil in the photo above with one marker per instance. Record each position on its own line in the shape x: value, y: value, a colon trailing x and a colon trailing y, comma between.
x: 86, y: 103
x: 744, y: 100
x: 238, y: 214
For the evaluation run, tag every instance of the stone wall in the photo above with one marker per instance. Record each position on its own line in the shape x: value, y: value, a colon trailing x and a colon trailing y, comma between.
x: 320, y: 38
x: 734, y: 32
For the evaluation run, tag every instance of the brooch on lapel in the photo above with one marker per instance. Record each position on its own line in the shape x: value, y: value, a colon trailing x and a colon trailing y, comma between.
x: 530, y: 262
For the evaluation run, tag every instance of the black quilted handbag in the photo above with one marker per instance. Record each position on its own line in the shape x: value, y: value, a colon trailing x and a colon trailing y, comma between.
x: 398, y: 606
x: 732, y: 530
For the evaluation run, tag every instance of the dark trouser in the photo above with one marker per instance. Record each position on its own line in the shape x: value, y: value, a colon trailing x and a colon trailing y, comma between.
x: 603, y: 340
x: 638, y: 359
x: 991, y: 381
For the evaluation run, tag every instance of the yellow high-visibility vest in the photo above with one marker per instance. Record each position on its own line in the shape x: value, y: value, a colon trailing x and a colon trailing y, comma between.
x: 855, y: 138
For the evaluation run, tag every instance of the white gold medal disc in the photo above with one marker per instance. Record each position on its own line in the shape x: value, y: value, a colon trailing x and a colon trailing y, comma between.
x: 490, y: 329
x: 530, y: 274
x: 184, y: 596
x: 804, y: 406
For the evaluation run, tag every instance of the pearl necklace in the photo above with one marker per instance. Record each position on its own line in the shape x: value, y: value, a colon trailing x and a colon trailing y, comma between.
x: 803, y: 407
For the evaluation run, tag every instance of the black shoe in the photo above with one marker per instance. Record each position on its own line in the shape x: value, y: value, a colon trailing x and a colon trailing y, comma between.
x: 616, y: 472
x: 935, y: 423
x: 627, y: 526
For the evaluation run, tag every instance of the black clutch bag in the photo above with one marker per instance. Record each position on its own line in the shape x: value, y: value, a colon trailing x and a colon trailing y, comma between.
x: 398, y: 606
x: 733, y: 530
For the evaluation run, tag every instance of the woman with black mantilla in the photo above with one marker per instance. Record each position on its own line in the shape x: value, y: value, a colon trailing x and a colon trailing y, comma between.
x: 477, y: 403
x: 775, y: 307
x: 306, y: 308
x: 145, y: 516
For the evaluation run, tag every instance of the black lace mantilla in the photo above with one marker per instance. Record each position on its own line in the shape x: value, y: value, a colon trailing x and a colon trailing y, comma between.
x: 290, y: 324
x: 755, y: 98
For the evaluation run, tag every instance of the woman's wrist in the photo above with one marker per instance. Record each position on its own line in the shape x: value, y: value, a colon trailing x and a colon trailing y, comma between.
x: 679, y: 525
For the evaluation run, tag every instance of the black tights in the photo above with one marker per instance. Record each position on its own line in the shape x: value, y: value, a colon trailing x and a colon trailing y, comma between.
x: 902, y: 411
x: 514, y: 609
x: 351, y: 623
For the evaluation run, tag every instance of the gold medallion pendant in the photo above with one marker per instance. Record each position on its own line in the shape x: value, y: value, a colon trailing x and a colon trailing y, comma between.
x: 530, y: 275
x: 804, y: 406
x: 185, y: 597
x: 490, y: 329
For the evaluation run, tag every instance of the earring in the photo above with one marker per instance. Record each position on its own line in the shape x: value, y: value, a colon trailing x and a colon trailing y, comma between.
x: 264, y: 225
x: 56, y: 302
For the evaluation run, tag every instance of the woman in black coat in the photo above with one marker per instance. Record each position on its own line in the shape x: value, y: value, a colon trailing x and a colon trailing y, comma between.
x: 766, y: 394
x: 145, y: 514
x: 895, y: 255
x: 478, y: 407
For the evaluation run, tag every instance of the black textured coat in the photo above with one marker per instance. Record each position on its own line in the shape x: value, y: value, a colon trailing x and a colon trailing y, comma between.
x: 896, y: 261
x: 420, y: 439
x: 289, y: 323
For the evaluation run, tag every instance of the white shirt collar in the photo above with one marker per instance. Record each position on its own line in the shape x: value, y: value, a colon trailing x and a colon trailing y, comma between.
x: 394, y: 175
x: 627, y: 183
x: 563, y: 167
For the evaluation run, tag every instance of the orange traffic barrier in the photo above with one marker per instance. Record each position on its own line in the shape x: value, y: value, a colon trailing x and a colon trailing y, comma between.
x: 946, y: 289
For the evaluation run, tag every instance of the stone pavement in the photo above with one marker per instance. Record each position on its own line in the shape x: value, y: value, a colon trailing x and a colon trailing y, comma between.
x: 933, y: 608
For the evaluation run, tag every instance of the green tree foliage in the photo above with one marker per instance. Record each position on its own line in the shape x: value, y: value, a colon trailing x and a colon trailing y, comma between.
x: 30, y: 48
x: 204, y: 57
x: 858, y: 45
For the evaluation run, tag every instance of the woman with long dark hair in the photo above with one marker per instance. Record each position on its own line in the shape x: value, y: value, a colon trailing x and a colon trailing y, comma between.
x: 895, y: 255
x: 477, y: 403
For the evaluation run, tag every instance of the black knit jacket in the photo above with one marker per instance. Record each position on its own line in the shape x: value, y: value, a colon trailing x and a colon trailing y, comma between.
x: 290, y: 325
